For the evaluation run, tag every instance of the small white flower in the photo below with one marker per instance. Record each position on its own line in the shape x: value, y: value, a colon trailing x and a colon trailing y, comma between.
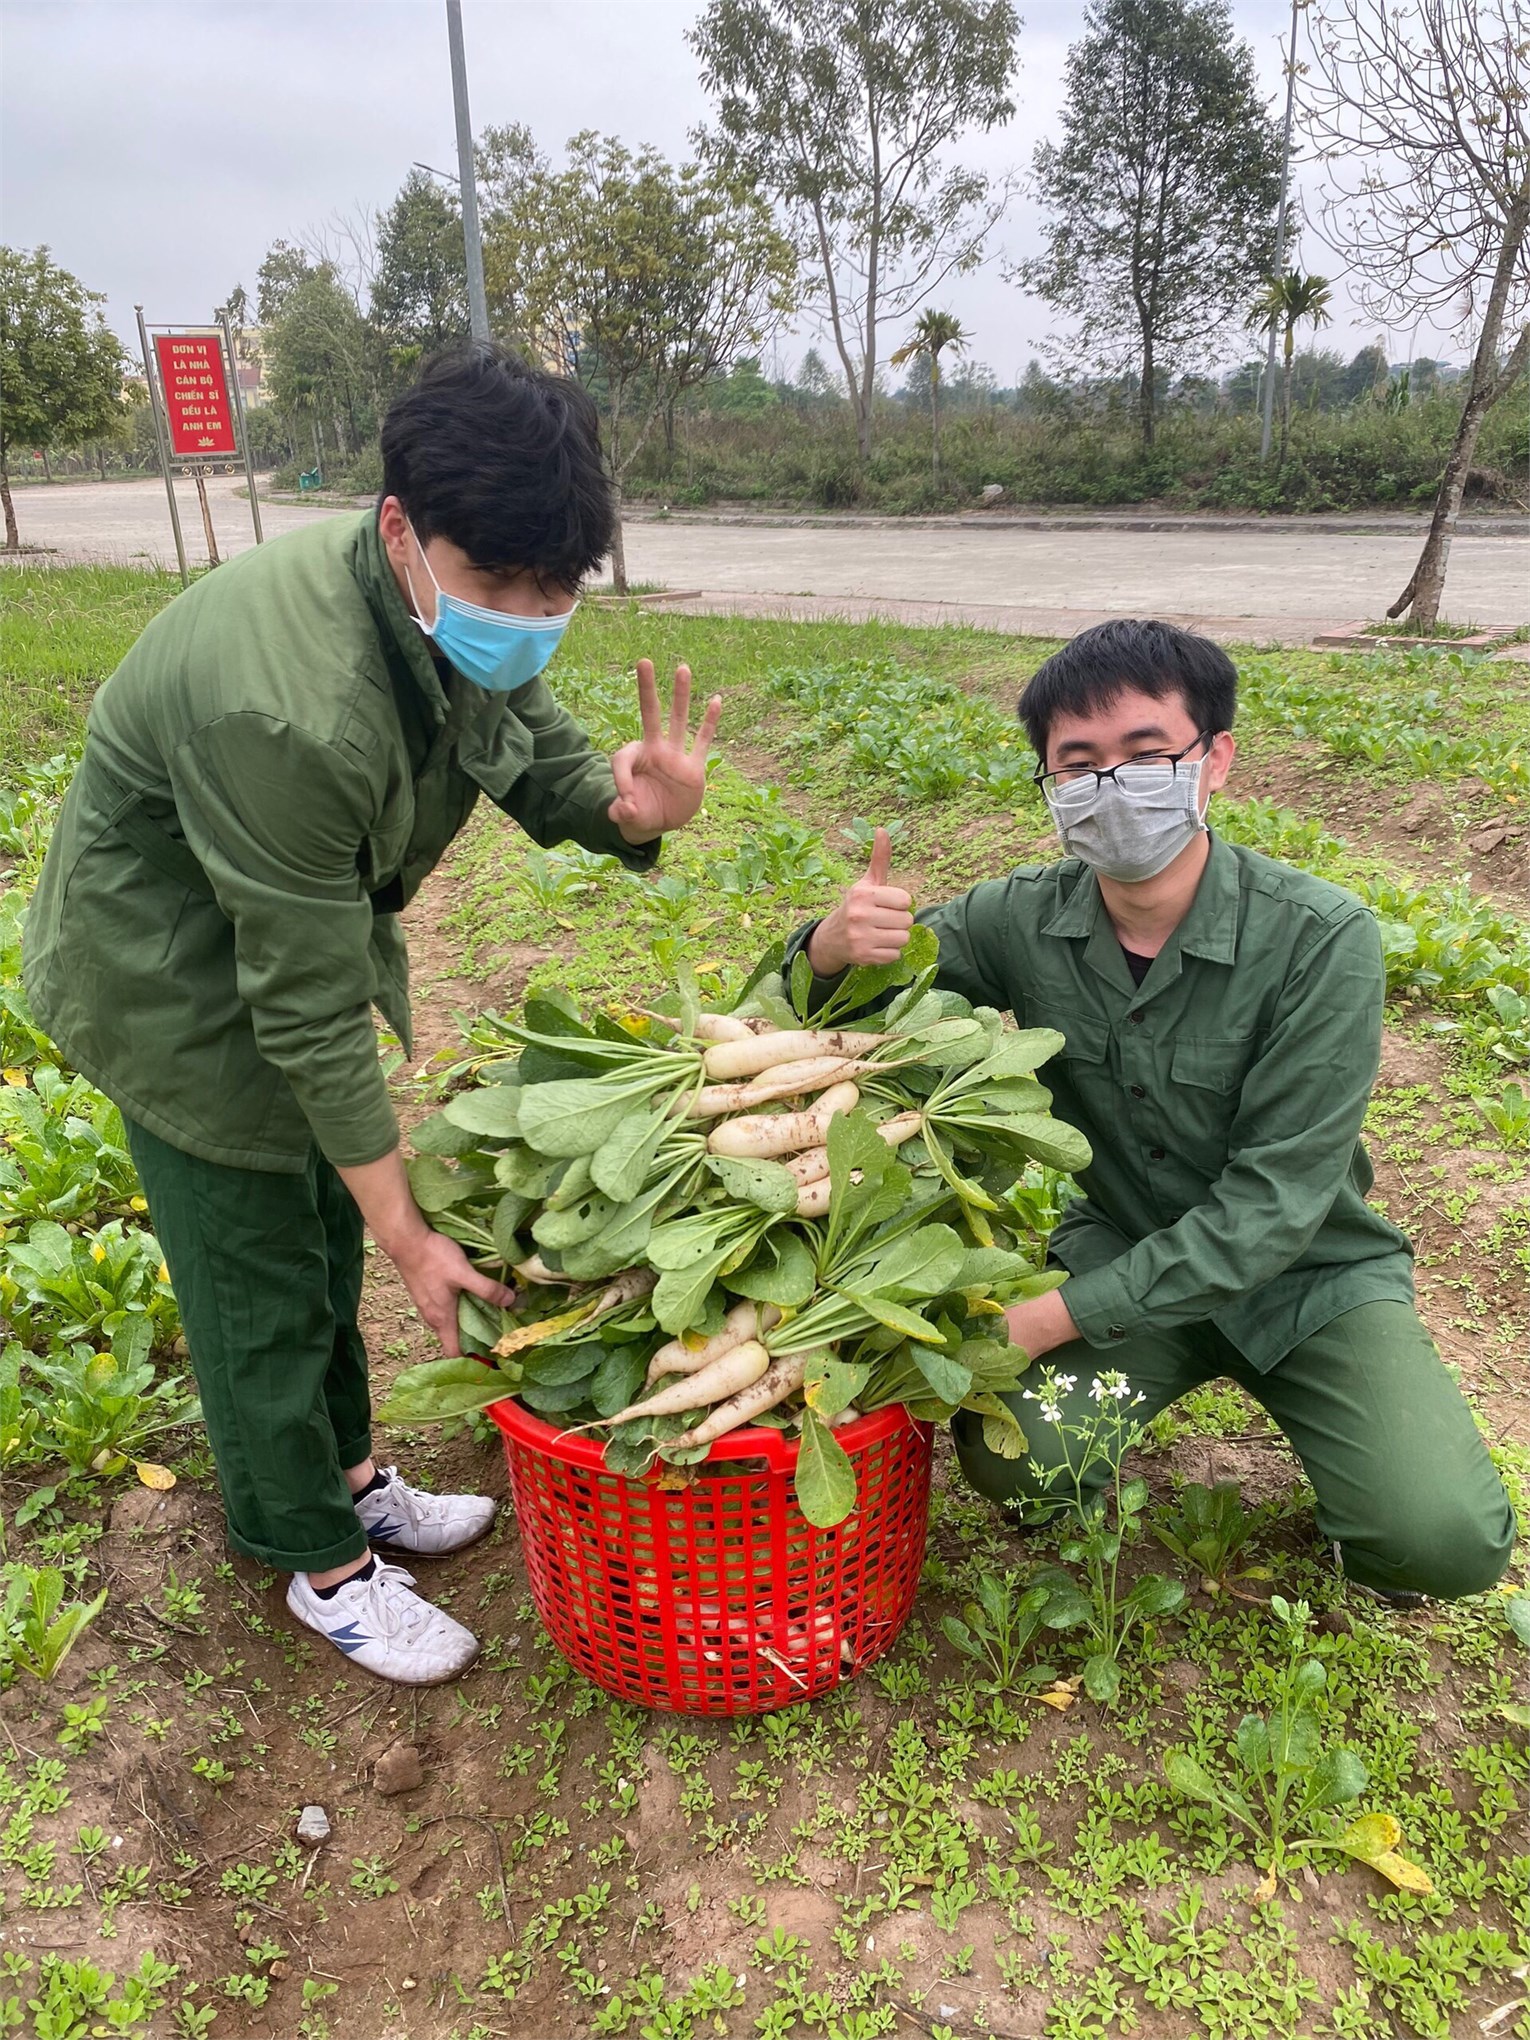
x: 1066, y: 1383
x: 1051, y: 1413
x: 1096, y: 1390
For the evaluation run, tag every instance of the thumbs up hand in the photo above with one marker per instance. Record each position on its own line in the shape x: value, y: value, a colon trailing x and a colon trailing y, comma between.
x: 871, y: 924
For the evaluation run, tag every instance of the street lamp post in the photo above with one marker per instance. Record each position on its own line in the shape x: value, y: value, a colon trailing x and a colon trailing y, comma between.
x: 478, y: 304
x: 1280, y: 238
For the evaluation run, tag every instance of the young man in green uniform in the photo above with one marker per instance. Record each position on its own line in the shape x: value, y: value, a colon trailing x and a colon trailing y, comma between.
x: 1222, y: 1014
x: 270, y: 774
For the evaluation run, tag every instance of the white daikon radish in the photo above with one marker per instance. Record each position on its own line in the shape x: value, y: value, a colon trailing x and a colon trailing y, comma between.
x: 535, y: 1269
x: 759, y: 1136
x: 731, y: 1375
x: 810, y: 1166
x: 839, y: 1098
x: 721, y: 1027
x: 813, y: 1197
x: 744, y: 1321
x: 733, y: 1058
x: 781, y: 1379
x: 896, y: 1131
x: 794, y: 1080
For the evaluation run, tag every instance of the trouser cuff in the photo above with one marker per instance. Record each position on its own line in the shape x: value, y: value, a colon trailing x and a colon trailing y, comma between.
x: 353, y: 1450
x: 352, y: 1546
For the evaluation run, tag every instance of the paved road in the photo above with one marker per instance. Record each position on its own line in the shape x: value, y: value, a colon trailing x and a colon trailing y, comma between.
x: 1261, y: 578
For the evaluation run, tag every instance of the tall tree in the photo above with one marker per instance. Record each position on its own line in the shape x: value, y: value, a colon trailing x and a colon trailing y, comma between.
x: 61, y: 365
x: 815, y: 379
x: 320, y: 357
x: 933, y: 333
x: 843, y: 112
x: 643, y: 279
x: 279, y: 275
x: 1284, y: 303
x: 235, y: 308
x: 1160, y: 198
x: 419, y: 298
x: 1422, y: 113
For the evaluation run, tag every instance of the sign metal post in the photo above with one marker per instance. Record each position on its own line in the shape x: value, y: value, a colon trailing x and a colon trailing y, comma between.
x: 164, y: 446
x: 244, y: 430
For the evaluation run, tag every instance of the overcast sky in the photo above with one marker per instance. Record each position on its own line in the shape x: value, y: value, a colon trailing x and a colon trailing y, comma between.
x: 159, y: 148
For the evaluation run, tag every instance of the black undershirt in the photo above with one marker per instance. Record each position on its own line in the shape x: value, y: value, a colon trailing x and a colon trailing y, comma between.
x: 1139, y: 966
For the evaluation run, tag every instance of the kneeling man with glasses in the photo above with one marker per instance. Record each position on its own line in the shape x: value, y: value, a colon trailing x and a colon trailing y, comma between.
x: 1222, y: 1014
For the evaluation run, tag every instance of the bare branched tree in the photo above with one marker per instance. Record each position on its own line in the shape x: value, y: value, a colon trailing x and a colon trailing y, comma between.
x: 1420, y: 113
x: 844, y: 112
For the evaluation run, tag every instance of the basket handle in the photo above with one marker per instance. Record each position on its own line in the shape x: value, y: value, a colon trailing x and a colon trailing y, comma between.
x: 761, y: 1442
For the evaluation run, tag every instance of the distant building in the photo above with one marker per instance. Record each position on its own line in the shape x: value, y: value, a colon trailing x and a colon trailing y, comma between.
x: 249, y: 365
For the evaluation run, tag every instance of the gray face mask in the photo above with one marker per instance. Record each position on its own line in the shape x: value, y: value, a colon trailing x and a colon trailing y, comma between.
x: 1133, y: 826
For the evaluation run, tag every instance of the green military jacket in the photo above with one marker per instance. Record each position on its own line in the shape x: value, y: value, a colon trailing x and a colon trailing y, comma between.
x: 268, y: 777
x: 1223, y: 1097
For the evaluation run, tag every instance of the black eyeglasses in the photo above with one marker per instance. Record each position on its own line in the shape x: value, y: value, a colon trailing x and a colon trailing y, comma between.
x: 1138, y: 778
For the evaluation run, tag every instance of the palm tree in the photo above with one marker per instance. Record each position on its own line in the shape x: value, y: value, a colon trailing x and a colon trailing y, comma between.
x: 933, y: 333
x: 1286, y: 300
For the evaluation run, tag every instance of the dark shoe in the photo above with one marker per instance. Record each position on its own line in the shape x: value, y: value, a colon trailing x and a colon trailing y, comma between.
x: 1400, y: 1598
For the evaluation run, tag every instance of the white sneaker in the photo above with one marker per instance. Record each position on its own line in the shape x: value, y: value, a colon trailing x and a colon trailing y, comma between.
x: 385, y: 1629
x: 402, y: 1518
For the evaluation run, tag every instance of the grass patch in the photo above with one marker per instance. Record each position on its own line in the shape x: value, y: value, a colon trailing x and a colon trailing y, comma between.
x: 63, y: 630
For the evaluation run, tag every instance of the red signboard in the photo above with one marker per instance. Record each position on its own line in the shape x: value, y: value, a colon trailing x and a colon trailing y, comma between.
x: 198, y: 405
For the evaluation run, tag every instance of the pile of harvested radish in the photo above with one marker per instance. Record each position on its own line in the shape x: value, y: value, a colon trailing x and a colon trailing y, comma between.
x: 717, y: 1220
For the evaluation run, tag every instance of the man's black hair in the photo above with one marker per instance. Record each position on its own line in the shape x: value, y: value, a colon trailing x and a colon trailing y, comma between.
x: 503, y: 460
x: 1101, y: 663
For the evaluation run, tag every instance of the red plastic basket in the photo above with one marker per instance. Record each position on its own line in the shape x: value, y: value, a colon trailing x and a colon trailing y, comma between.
x: 718, y: 1596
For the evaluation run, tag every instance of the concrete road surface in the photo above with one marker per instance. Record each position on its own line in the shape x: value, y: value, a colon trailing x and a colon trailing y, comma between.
x: 1264, y: 576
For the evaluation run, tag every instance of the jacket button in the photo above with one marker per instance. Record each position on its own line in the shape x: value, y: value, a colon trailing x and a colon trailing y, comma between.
x: 1115, y: 1331
x: 1138, y: 1092
x: 1136, y: 1018
x: 1155, y: 1154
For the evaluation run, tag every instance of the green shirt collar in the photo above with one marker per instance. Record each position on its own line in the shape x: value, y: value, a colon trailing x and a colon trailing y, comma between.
x: 403, y: 640
x: 1209, y: 930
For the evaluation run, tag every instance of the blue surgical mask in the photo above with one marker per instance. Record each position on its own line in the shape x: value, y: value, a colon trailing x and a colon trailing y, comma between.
x: 497, y: 652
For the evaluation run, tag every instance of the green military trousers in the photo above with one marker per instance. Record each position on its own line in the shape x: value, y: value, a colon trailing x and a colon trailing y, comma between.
x: 1403, y: 1479
x: 267, y: 1272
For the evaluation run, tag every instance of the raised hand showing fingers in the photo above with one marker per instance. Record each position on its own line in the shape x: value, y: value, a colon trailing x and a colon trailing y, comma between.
x: 661, y: 779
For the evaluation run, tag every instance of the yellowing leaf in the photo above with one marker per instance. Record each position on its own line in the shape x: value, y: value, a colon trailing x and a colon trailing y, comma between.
x: 1399, y: 1871
x: 160, y: 1478
x: 17, y: 1079
x: 138, y: 1204
x: 1371, y: 1836
x: 163, y: 1273
x: 545, y: 1328
x: 1264, y: 1890
x: 98, y: 1252
x: 1061, y: 1695
x: 1374, y: 1839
